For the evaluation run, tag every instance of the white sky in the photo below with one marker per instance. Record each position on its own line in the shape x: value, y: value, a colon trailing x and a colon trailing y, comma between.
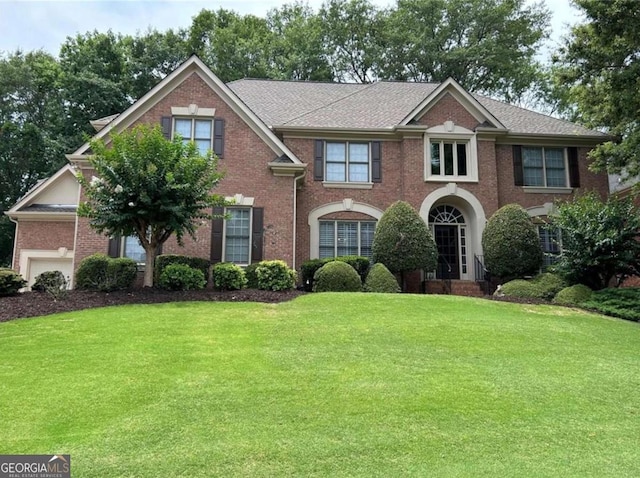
x: 30, y: 25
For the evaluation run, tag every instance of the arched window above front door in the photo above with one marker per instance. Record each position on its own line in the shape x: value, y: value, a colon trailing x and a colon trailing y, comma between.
x: 445, y: 214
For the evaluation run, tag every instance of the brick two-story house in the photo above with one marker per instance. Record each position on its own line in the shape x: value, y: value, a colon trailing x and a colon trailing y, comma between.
x: 312, y: 167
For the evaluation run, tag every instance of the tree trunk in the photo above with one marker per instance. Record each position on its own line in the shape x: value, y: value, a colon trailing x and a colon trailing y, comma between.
x: 149, y: 266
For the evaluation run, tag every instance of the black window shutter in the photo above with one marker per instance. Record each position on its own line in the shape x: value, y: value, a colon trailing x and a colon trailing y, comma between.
x: 217, y: 227
x: 114, y: 246
x: 318, y: 161
x: 574, y: 167
x: 376, y: 162
x: 518, y: 172
x: 218, y: 137
x: 166, y: 126
x: 257, y: 234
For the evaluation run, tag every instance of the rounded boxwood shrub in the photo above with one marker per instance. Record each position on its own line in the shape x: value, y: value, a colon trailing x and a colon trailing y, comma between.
x: 275, y: 275
x: 574, y: 295
x: 102, y: 273
x: 549, y: 284
x: 511, y: 244
x: 49, y: 280
x: 228, y: 276
x: 309, y: 268
x: 337, y: 276
x: 92, y: 272
x: 181, y: 277
x: 10, y: 282
x: 520, y: 288
x: 380, y: 279
x: 164, y: 260
x: 252, y: 277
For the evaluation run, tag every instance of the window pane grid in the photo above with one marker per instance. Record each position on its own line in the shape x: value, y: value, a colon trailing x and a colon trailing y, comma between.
x: 237, y: 236
x: 134, y: 250
x: 343, y: 238
x: 448, y: 158
x: 544, y: 167
x: 195, y: 130
x: 347, y: 162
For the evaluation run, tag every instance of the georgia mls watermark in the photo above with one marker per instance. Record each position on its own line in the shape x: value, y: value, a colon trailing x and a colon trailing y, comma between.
x: 35, y: 466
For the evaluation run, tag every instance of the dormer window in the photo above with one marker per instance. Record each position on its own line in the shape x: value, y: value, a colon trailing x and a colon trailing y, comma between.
x: 450, y: 154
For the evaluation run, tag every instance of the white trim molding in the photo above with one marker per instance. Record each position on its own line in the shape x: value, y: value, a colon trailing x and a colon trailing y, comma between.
x: 346, y: 205
x: 448, y: 131
x: 193, y: 110
x: 547, y: 209
x: 27, y: 255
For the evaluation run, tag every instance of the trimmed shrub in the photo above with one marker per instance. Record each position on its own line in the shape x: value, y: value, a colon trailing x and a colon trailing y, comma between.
x: 181, y: 277
x: 402, y: 240
x: 622, y: 302
x: 275, y: 275
x: 121, y: 273
x: 511, y: 244
x: 573, y: 296
x: 252, y: 277
x: 380, y: 279
x: 92, y: 272
x: 228, y: 276
x: 163, y: 260
x: 10, y: 282
x: 309, y: 268
x: 549, y: 284
x: 51, y: 282
x: 337, y: 276
x: 102, y: 273
x: 520, y: 288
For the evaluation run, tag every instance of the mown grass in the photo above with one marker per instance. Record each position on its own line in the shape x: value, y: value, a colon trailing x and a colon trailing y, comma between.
x: 325, y: 385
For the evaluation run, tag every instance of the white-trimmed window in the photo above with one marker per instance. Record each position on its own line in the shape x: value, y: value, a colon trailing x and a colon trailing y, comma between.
x: 550, y: 241
x: 132, y: 249
x: 346, y: 238
x: 544, y: 167
x: 450, y: 154
x: 449, y: 158
x: 347, y: 162
x: 237, y: 235
x: 197, y: 130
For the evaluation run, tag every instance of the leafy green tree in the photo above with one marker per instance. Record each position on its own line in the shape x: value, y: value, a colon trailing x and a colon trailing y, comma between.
x: 350, y: 31
x: 488, y: 46
x: 402, y: 241
x: 297, y: 48
x: 511, y: 244
x: 232, y: 45
x: 150, y: 187
x: 599, y: 239
x: 32, y: 142
x: 599, y: 65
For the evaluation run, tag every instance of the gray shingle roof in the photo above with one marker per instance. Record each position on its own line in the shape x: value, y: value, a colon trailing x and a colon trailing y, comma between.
x: 381, y: 105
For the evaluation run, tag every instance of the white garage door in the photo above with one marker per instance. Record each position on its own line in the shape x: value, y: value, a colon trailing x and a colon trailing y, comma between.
x: 39, y: 265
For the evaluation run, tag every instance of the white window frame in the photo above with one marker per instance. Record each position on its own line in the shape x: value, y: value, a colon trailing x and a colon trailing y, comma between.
x: 335, y: 233
x: 224, y: 234
x: 347, y: 162
x: 451, y: 133
x: 565, y: 157
x: 193, y: 120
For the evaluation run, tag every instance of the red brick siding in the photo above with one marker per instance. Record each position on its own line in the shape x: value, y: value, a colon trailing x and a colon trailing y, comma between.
x: 448, y: 109
x: 43, y: 235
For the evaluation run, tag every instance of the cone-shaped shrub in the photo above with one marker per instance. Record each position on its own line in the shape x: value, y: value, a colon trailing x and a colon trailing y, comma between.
x: 511, y: 244
x: 402, y: 241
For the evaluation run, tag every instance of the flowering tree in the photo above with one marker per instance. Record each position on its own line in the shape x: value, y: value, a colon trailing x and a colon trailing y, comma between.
x: 149, y: 187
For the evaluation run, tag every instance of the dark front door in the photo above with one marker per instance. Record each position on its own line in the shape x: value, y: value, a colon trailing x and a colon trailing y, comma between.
x: 447, y: 240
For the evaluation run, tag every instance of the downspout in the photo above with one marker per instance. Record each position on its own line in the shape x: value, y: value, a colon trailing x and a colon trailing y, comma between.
x: 295, y: 214
x: 15, y: 245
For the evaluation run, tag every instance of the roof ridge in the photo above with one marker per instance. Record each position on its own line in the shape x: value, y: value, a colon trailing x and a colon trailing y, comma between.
x: 318, y: 82
x: 365, y: 88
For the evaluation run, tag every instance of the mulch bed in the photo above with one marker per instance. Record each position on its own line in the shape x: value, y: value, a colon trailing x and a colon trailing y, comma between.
x: 32, y: 304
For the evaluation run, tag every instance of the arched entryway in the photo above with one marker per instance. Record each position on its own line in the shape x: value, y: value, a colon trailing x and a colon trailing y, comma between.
x: 449, y: 230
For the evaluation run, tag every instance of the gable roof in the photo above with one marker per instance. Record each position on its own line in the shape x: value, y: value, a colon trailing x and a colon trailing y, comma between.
x: 190, y: 66
x: 382, y: 105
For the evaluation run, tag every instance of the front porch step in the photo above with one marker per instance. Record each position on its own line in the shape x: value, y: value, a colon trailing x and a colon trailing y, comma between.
x: 467, y: 288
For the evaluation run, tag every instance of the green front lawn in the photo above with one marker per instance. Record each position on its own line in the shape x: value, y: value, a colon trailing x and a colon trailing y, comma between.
x: 325, y: 385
